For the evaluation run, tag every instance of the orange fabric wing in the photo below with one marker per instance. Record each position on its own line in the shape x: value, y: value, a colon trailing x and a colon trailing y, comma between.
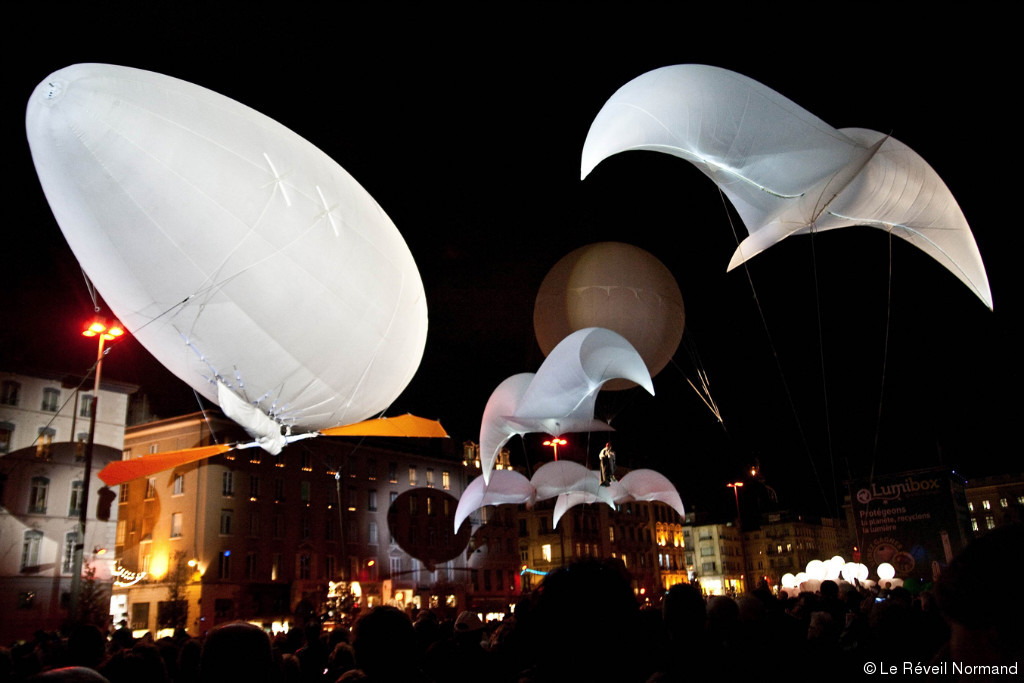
x: 125, y: 470
x: 403, y: 425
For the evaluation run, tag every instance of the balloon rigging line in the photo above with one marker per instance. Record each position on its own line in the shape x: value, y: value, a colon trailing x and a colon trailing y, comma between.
x: 775, y: 355
x: 885, y: 360
x: 206, y: 417
x: 704, y: 393
x: 63, y: 405
x: 91, y: 290
x: 824, y: 380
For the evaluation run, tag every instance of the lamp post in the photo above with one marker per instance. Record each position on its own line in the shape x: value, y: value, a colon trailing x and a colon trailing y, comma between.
x: 555, y: 443
x: 99, y: 329
x: 735, y: 486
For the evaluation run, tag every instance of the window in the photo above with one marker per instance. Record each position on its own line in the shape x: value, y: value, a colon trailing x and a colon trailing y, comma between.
x: 85, y: 405
x: 306, y: 525
x: 414, y: 507
x: 446, y: 480
x: 371, y: 500
x: 254, y: 487
x: 372, y: 534
x: 30, y: 550
x: 1003, y: 502
x: 396, y: 566
x: 392, y: 497
x: 179, y: 484
x: 80, y: 441
x: 224, y: 565
x: 37, y: 495
x: 974, y: 524
x: 250, y: 566
x: 75, y: 505
x: 970, y: 506
x: 121, y: 527
x: 275, y: 567
x: 122, y: 493
x: 228, y: 484
x: 430, y: 477
x: 330, y: 567
x: 307, y: 461
x: 151, y: 488
x: 990, y: 522
x: 140, y: 615
x: 51, y: 399
x: 304, y: 566
x: 44, y: 443
x: 175, y: 525
x: 6, y: 436
x: 545, y: 552
x: 304, y: 490
x: 430, y: 505
x: 278, y: 490
x: 9, y: 391
x: 412, y: 475
x: 225, y: 522
x: 67, y: 565
x: 393, y: 472
x: 985, y: 504
x: 611, y: 533
x: 371, y: 469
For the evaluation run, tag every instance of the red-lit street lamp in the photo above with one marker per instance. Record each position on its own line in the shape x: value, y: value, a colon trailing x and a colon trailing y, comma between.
x: 735, y: 486
x: 555, y: 443
x: 97, y: 328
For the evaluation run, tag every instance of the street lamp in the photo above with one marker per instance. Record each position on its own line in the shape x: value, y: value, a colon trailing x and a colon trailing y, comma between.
x: 555, y: 443
x: 97, y: 328
x: 735, y: 486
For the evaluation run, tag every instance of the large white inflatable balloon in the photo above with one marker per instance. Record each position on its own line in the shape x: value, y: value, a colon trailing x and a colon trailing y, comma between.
x: 785, y: 170
x: 235, y: 251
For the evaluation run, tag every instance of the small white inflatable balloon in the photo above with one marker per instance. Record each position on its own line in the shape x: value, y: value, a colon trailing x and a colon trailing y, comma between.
x: 885, y: 571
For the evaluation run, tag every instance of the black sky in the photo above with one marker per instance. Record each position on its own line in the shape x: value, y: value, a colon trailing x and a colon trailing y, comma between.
x: 467, y: 128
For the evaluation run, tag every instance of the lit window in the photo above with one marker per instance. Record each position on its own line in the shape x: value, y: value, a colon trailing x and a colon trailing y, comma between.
x: 75, y: 506
x: 37, y: 495
x: 44, y: 443
x: 372, y: 534
x: 51, y: 399
x: 446, y: 480
x: 228, y: 484
x: 275, y: 567
x: 985, y: 504
x: 974, y: 524
x: 176, y: 525
x: 545, y: 551
x: 1003, y: 503
x: 412, y: 475
x: 151, y: 488
x: 970, y: 506
x: 430, y: 505
x: 121, y: 526
x: 122, y: 494
x: 393, y: 472
x: 254, y: 487
x: 371, y: 502
x: 611, y: 533
x: 430, y: 478
x: 30, y: 550
x: 68, y: 563
x: 179, y: 484
x: 990, y: 522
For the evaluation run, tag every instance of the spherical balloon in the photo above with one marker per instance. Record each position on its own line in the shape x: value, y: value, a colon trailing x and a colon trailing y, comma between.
x: 886, y: 571
x: 816, y: 569
x: 616, y: 286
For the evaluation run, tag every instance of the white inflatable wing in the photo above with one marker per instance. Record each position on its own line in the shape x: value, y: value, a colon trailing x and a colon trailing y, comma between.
x: 568, y: 381
x: 495, y: 427
x: 573, y: 498
x: 648, y: 485
x: 506, y: 486
x: 228, y: 245
x: 563, y: 476
x: 782, y: 167
x: 895, y: 190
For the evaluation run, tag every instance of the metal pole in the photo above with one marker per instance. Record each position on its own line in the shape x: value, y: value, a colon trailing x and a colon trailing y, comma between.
x: 76, y: 568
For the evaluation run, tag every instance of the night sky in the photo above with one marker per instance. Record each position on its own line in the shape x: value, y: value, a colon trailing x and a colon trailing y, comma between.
x: 467, y: 128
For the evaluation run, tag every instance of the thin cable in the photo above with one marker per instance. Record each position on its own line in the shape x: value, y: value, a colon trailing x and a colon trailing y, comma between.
x: 775, y: 355
x: 885, y: 360
x: 824, y: 381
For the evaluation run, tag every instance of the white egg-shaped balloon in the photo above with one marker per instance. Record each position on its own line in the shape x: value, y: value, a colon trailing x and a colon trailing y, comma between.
x: 229, y: 245
x: 885, y: 571
x: 816, y: 569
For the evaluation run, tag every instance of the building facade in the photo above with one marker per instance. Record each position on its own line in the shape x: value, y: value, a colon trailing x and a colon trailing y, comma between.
x: 995, y: 501
x: 44, y: 425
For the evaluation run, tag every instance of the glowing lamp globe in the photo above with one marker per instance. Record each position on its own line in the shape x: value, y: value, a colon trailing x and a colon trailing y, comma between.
x: 885, y: 571
x: 789, y: 581
x: 816, y: 569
